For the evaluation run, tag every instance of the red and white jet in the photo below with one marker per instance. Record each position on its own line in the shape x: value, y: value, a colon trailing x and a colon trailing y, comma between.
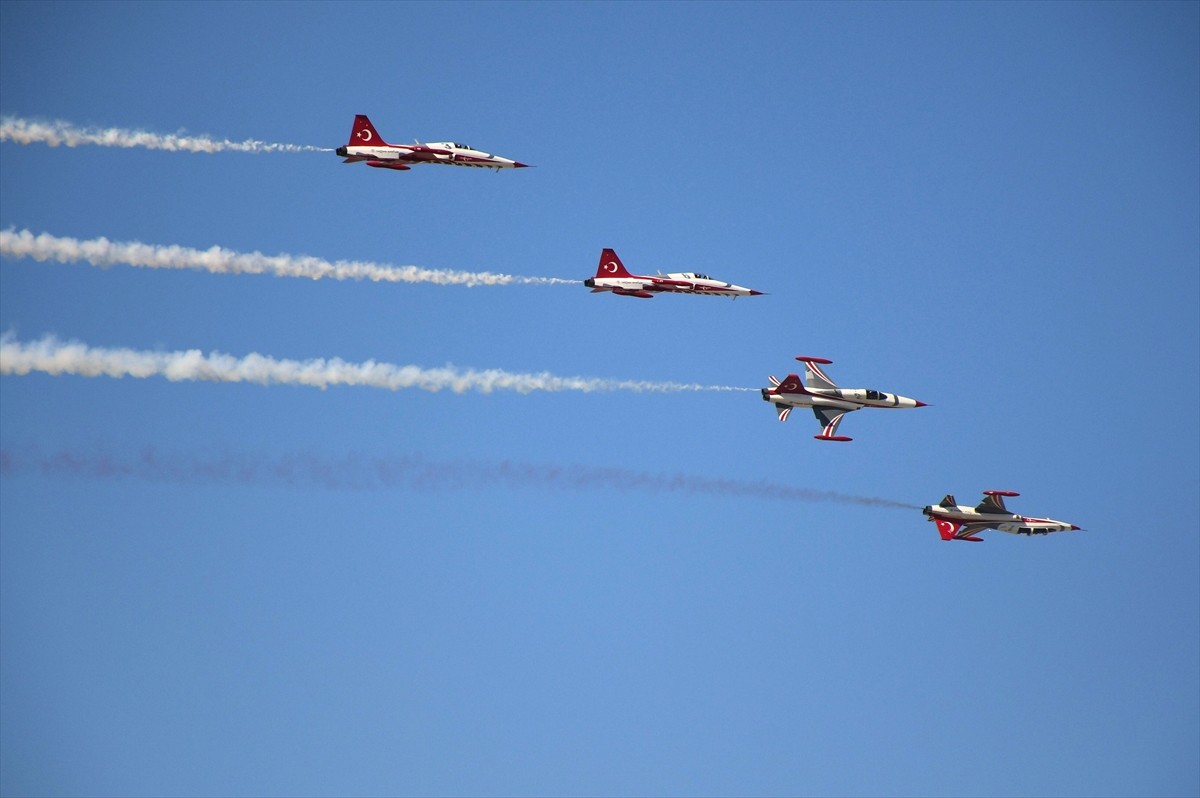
x: 611, y: 275
x: 962, y: 523
x: 828, y: 402
x: 367, y: 145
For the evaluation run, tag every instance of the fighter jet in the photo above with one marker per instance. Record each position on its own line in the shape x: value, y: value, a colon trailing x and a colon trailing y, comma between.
x: 611, y: 275
x: 962, y: 523
x: 367, y: 145
x: 828, y: 402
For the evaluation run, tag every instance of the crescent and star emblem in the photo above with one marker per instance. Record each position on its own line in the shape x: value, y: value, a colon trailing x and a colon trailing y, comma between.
x: 364, y: 135
x: 610, y: 267
x: 788, y: 386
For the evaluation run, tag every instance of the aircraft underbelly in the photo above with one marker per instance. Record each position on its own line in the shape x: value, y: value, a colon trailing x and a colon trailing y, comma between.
x: 829, y: 401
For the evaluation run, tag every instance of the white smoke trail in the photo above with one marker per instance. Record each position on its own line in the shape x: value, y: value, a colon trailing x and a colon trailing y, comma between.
x: 27, y: 131
x: 361, y: 472
x: 51, y: 356
x: 104, y: 253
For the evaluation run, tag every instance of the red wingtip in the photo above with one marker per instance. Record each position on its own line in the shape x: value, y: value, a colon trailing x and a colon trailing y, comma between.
x: 806, y: 359
x: 832, y: 438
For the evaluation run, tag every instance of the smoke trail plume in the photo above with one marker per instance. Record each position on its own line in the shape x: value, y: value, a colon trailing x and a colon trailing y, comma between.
x: 27, y: 131
x: 51, y: 356
x: 104, y: 253
x: 360, y: 472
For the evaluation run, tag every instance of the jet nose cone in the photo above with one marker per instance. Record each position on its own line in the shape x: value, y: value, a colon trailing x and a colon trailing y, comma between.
x: 519, y: 165
x: 921, y: 404
x: 756, y: 293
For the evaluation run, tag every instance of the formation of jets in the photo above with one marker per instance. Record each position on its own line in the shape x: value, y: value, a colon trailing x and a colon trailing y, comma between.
x: 368, y: 146
x: 963, y: 523
x: 816, y: 391
x: 611, y: 275
x: 828, y: 402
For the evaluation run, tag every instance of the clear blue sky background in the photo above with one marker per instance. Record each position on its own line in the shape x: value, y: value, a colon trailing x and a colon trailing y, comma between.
x: 989, y: 207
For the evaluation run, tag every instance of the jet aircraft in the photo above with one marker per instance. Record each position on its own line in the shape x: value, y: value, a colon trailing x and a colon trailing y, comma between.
x: 367, y: 145
x: 611, y: 275
x: 962, y: 523
x: 828, y: 402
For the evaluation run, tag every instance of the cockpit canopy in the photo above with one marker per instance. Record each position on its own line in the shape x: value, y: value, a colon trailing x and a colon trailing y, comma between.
x: 878, y: 395
x: 452, y: 145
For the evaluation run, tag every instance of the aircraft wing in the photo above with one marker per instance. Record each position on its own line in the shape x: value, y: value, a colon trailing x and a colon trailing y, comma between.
x: 814, y: 377
x: 668, y: 281
x: 423, y: 154
x: 829, y: 417
x: 993, y: 501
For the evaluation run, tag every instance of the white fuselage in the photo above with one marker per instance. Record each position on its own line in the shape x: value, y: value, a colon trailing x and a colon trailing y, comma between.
x: 841, y: 398
x: 1004, y: 522
x: 438, y: 152
x: 677, y: 282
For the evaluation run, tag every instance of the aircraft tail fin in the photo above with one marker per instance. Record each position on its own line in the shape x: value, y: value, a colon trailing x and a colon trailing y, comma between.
x: 789, y: 384
x: 947, y: 529
x: 610, y: 265
x: 952, y: 530
x: 363, y: 134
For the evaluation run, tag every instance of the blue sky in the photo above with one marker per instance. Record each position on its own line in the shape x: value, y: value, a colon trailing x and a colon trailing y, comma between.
x: 994, y: 208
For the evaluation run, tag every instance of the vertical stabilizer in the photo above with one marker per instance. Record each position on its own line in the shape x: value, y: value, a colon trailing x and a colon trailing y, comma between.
x: 363, y: 134
x: 610, y: 265
x: 790, y: 384
x: 947, y: 529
